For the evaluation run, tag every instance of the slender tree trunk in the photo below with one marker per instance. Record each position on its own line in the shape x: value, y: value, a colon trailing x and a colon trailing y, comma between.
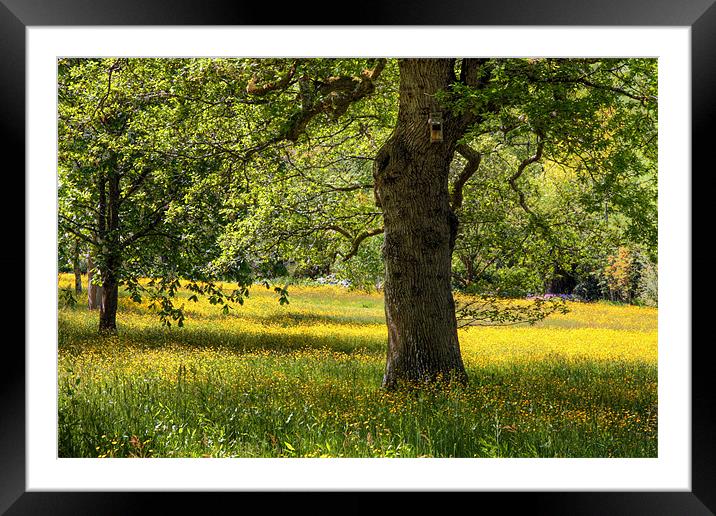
x: 94, y: 292
x: 76, y: 268
x: 78, y: 277
x: 468, y: 262
x: 411, y: 187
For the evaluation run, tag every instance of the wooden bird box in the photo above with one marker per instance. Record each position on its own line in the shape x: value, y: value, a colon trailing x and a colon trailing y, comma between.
x: 436, y: 127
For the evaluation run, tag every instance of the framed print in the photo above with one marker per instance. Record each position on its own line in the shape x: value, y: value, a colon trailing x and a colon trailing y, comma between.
x: 679, y: 479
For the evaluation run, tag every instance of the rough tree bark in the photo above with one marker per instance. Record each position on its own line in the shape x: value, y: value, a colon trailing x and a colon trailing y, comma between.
x: 411, y: 187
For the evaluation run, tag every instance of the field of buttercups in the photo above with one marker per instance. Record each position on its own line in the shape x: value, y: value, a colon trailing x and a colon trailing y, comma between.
x: 303, y: 380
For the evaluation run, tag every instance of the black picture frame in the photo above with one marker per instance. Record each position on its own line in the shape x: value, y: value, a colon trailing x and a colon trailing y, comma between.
x: 16, y: 15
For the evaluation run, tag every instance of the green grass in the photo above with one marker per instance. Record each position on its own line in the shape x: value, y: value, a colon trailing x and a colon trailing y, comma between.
x: 303, y: 380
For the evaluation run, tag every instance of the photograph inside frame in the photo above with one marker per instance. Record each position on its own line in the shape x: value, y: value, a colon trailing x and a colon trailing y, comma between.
x: 357, y: 257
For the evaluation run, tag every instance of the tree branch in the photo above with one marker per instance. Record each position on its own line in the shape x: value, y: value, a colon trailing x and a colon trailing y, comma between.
x: 258, y: 90
x: 355, y: 241
x: 338, y: 94
x: 359, y: 239
x: 157, y: 216
x: 584, y: 81
x: 75, y: 227
x: 136, y: 184
x: 520, y: 169
x: 115, y: 67
x: 473, y: 163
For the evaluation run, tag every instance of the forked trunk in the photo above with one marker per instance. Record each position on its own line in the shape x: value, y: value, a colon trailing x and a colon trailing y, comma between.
x: 109, y: 244
x: 411, y: 186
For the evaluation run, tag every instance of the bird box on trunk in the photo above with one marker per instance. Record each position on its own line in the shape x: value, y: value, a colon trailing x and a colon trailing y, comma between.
x: 436, y: 127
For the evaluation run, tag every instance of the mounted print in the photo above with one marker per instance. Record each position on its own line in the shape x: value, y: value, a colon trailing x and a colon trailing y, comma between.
x: 357, y: 257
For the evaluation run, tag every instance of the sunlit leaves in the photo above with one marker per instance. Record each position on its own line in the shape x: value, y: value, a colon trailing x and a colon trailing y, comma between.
x: 594, y: 187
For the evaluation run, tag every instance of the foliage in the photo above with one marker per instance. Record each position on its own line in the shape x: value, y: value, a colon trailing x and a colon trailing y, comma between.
x: 567, y: 172
x: 364, y: 270
x: 310, y: 201
x: 617, y: 274
x: 67, y: 297
x: 630, y: 276
x: 143, y: 201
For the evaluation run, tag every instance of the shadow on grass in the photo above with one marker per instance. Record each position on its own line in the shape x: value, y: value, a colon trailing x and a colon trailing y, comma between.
x: 75, y: 335
x: 281, y: 317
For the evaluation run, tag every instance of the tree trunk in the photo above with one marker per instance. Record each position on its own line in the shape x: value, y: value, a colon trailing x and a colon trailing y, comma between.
x: 94, y: 292
x: 411, y: 187
x: 78, y: 278
x: 468, y: 262
x: 110, y: 245
x: 76, y: 269
x: 108, y: 306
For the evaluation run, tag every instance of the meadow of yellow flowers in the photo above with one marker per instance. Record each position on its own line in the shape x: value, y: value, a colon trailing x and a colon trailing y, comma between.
x: 303, y: 380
